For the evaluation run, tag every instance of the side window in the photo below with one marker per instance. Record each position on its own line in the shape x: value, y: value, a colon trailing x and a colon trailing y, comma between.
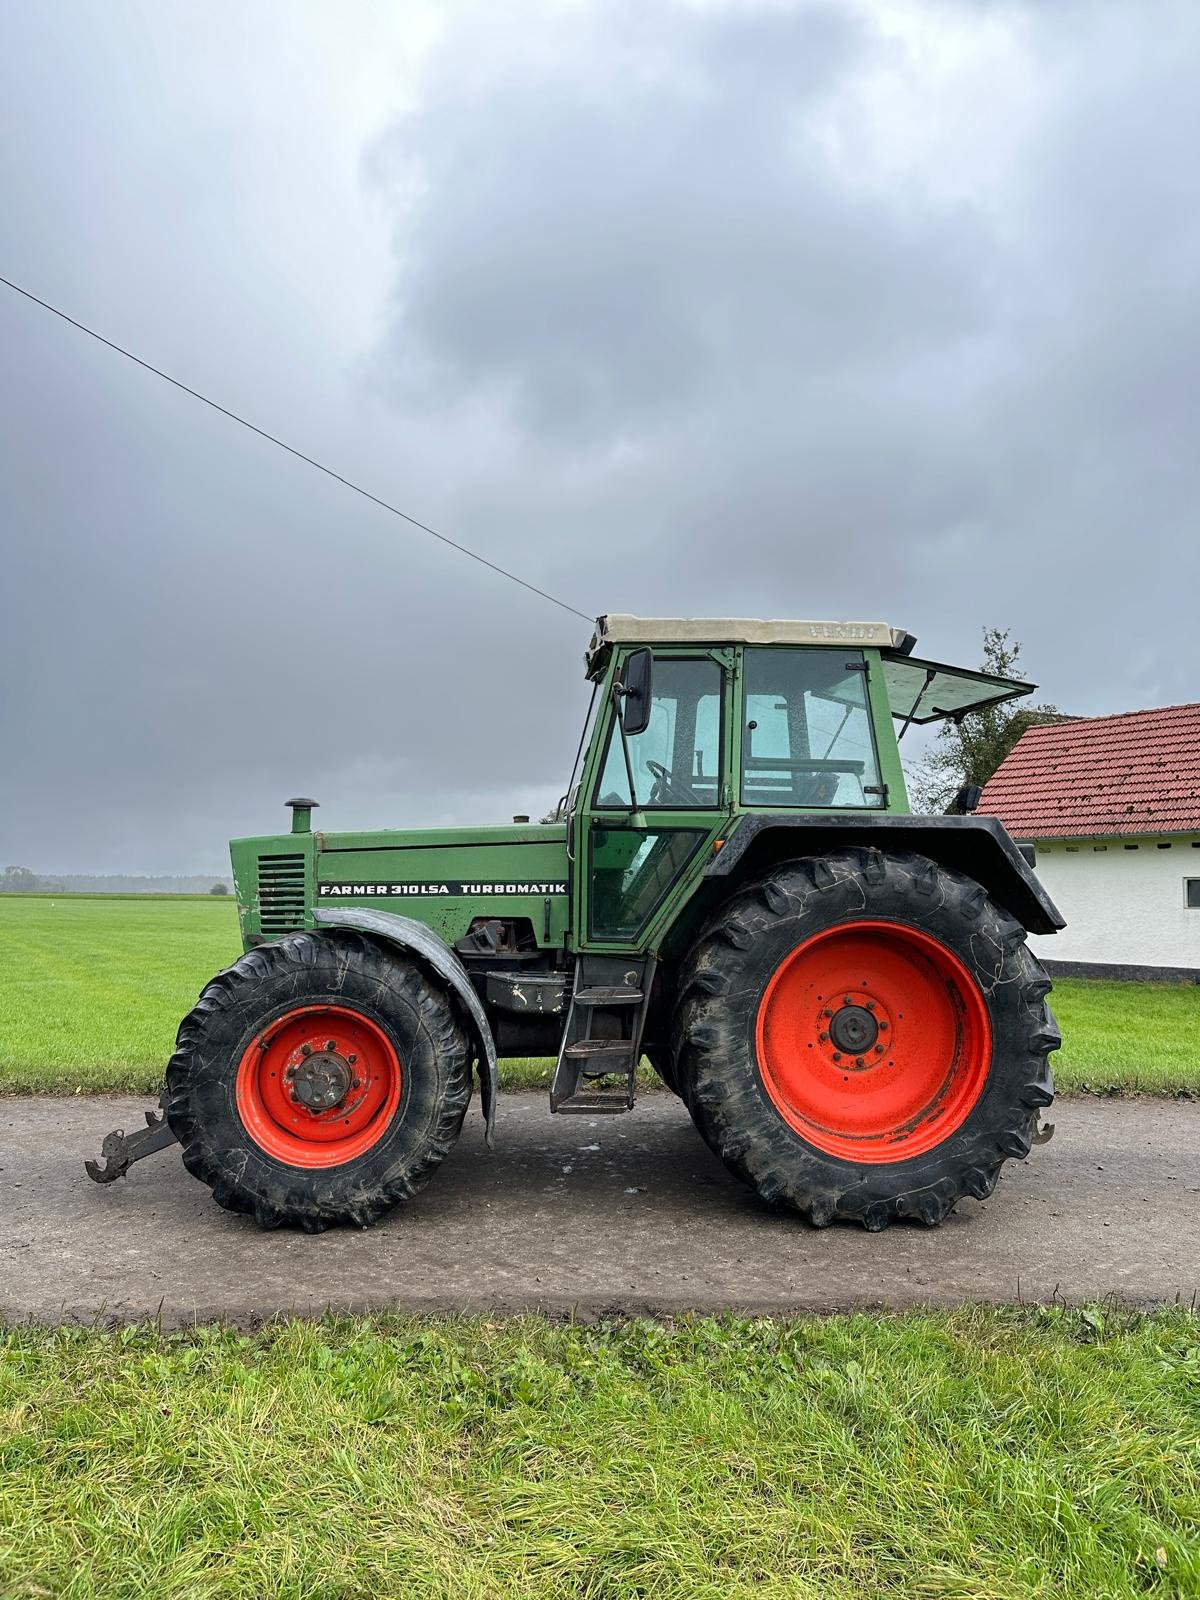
x: 677, y: 760
x: 1191, y: 893
x: 632, y: 871
x: 807, y: 738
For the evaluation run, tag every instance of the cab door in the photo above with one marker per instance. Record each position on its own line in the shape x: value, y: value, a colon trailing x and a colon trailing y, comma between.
x: 632, y: 853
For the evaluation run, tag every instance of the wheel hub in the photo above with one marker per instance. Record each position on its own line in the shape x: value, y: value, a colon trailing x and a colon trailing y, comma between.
x: 853, y: 1029
x: 322, y: 1080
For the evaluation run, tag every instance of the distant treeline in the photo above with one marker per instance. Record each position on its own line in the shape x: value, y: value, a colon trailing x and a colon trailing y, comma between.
x: 20, y: 880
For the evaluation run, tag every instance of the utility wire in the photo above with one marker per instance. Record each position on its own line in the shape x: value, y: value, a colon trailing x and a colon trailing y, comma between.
x: 291, y: 450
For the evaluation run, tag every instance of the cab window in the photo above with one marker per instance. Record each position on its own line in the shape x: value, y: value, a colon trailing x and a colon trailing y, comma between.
x: 806, y: 736
x: 677, y: 759
x: 633, y: 871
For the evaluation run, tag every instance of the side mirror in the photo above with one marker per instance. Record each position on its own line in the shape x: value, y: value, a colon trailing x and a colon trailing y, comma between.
x: 635, y: 687
x: 967, y: 799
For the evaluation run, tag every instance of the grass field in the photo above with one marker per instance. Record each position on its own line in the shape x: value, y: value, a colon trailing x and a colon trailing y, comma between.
x: 974, y: 1454
x: 93, y: 989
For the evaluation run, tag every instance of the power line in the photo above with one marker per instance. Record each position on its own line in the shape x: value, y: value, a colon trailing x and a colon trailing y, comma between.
x: 291, y: 450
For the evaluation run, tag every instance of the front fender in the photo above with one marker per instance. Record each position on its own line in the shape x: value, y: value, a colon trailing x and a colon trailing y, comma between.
x: 415, y: 939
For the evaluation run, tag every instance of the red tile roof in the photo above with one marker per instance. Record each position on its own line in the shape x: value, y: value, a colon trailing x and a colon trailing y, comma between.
x: 1136, y: 773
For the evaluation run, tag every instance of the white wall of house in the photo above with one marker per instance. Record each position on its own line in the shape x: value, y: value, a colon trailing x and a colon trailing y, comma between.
x: 1124, y: 906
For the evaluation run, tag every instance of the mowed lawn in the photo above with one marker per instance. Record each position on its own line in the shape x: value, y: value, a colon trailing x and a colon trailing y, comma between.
x: 92, y: 990
x: 972, y: 1454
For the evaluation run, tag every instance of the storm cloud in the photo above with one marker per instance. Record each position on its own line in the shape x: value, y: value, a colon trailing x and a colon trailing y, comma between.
x: 812, y: 310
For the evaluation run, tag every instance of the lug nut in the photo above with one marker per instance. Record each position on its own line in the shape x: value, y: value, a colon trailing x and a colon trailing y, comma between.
x: 331, y: 1044
x: 870, y: 1005
x: 306, y: 1049
x: 351, y: 1059
x: 878, y: 1049
x: 824, y: 1036
x: 837, y: 1055
x: 357, y: 1083
x: 883, y: 1027
x: 859, y: 1062
x: 827, y: 1012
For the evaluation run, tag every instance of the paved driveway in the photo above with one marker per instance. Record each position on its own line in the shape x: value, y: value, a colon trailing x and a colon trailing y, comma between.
x: 619, y: 1214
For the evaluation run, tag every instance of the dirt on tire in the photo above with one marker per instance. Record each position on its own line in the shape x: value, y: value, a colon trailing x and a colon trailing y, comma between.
x: 715, y: 1050
x: 352, y: 972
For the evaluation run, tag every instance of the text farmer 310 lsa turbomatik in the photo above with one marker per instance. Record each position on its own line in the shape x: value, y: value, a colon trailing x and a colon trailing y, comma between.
x: 840, y: 992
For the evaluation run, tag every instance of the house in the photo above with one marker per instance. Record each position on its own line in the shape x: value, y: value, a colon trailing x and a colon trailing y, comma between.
x: 1112, y: 807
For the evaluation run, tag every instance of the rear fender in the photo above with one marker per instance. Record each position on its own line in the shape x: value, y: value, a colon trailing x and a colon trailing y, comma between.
x: 420, y: 942
x: 978, y: 846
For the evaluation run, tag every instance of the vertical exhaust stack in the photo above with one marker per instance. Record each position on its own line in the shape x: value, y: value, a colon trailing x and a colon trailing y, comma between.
x: 302, y: 811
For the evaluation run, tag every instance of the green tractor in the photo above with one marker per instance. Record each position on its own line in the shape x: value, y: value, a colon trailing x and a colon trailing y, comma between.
x: 732, y: 887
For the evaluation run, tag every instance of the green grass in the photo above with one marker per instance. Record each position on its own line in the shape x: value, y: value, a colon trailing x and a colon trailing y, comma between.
x: 973, y: 1454
x: 93, y: 989
x: 1127, y: 1037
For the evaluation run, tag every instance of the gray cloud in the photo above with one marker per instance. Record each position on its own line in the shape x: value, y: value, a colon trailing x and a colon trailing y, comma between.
x: 824, y: 310
x: 873, y: 389
x: 606, y: 248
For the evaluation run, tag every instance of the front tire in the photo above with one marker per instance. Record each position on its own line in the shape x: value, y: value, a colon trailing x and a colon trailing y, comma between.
x: 320, y: 1079
x: 864, y: 1036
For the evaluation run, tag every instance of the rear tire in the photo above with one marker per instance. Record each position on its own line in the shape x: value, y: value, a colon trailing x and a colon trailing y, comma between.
x: 898, y: 1123
x: 399, y: 1058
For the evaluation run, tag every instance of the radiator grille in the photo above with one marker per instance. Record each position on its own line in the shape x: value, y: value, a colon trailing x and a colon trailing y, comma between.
x: 281, y: 893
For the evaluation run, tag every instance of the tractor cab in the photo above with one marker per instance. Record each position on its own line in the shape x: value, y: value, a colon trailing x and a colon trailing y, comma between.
x: 704, y: 724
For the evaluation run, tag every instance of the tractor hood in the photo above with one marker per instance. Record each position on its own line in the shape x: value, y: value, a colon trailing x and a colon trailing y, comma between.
x: 447, y: 878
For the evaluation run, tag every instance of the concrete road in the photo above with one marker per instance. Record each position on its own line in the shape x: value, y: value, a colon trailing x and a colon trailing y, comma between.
x: 616, y: 1214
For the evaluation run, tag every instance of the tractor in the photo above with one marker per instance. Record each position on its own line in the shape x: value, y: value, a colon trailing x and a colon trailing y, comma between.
x: 732, y: 888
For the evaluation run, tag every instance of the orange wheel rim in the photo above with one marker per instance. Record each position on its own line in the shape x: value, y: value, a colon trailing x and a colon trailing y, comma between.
x: 873, y: 1041
x: 318, y: 1086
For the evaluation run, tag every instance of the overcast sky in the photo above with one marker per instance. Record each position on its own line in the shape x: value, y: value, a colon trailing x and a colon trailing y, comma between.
x: 816, y: 310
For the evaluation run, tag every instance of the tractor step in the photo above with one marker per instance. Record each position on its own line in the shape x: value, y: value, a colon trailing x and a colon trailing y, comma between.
x: 596, y: 1103
x: 598, y: 1047
x: 603, y: 1034
x: 612, y: 995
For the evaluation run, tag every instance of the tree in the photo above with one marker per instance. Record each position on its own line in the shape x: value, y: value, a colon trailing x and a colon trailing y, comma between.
x: 970, y: 751
x: 219, y: 888
x: 18, y: 880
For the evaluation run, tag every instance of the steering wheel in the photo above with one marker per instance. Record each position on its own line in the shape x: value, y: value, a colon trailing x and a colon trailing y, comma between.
x: 665, y: 787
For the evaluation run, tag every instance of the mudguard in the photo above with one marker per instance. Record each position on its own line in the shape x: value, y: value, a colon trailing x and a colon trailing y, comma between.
x: 977, y: 845
x: 417, y: 940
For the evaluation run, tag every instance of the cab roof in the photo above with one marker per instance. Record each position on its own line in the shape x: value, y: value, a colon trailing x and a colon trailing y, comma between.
x: 616, y: 628
x: 918, y: 691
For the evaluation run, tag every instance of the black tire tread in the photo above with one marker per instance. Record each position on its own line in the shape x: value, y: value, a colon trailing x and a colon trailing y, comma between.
x: 730, y: 1106
x: 231, y: 1008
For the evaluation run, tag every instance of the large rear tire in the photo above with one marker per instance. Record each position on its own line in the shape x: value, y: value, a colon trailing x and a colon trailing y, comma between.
x: 864, y: 1036
x: 318, y: 1080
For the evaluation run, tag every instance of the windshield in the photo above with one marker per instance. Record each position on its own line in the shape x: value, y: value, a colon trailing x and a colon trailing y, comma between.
x: 806, y: 736
x: 564, y: 807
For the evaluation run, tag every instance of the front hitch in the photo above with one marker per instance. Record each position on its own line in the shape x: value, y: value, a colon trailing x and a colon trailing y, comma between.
x: 120, y: 1150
